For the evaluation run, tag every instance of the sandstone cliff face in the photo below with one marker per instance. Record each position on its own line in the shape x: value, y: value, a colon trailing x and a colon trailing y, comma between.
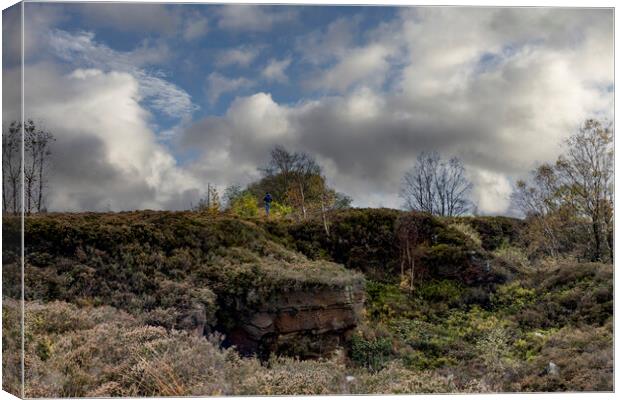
x: 308, y: 322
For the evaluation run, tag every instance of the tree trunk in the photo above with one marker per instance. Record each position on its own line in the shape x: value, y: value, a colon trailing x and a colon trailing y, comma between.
x: 303, y: 200
x: 412, y: 263
x: 4, y: 199
x: 597, y: 240
x: 324, y: 216
x: 40, y: 194
x: 28, y: 195
x: 15, y: 185
x: 610, y: 241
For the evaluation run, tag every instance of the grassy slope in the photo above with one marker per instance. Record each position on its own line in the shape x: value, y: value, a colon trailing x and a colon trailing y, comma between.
x: 148, y: 261
x: 450, y: 335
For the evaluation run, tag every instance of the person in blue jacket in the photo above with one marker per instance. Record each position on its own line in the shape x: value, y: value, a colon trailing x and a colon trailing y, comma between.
x: 267, y: 199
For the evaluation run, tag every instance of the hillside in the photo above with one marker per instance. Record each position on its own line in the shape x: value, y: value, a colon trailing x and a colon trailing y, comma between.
x: 388, y: 302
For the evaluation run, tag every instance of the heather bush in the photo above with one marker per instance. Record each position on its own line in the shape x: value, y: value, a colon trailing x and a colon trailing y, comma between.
x: 11, y: 346
x: 468, y: 231
x: 287, y: 376
x: 584, y: 358
x: 127, y: 304
x: 109, y: 353
x: 396, y: 379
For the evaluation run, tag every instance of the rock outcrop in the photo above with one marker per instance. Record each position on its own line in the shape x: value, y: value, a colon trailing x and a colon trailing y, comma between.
x: 308, y: 322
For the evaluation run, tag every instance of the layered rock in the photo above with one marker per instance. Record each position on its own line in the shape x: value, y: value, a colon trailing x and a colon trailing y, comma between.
x: 308, y: 322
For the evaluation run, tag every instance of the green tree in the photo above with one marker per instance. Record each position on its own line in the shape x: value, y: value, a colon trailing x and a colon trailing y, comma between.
x: 296, y: 180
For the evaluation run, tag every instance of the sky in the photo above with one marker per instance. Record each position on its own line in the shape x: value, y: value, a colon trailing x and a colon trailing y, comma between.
x: 150, y: 102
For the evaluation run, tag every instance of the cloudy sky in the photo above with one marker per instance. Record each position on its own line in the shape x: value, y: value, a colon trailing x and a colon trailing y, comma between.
x: 150, y: 102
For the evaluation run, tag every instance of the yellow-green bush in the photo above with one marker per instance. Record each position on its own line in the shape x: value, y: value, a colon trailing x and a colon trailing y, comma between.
x: 246, y: 205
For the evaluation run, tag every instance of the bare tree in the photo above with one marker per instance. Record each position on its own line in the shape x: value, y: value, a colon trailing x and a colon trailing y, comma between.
x: 282, y: 162
x: 539, y: 199
x: 42, y: 152
x: 293, y: 176
x: 305, y: 169
x: 11, y: 167
x: 210, y: 203
x: 586, y: 171
x: 36, y: 145
x: 30, y: 164
x: 407, y: 233
x: 577, y: 189
x: 436, y: 186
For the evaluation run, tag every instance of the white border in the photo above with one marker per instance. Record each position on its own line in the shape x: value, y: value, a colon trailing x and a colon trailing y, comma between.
x: 488, y: 3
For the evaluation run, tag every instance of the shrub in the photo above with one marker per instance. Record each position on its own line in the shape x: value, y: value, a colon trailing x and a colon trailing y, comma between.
x: 371, y: 353
x: 514, y: 257
x: 395, y: 379
x: 280, y: 210
x: 444, y: 291
x: 513, y: 297
x: 584, y: 358
x: 494, y: 232
x: 468, y: 231
x: 246, y: 206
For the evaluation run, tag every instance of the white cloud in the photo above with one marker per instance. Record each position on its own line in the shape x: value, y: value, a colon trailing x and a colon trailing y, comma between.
x: 105, y: 155
x: 368, y: 65
x: 81, y: 49
x: 253, y: 17
x: 491, y: 191
x: 330, y: 43
x: 195, y: 27
x: 243, y: 56
x: 218, y: 84
x: 275, y: 70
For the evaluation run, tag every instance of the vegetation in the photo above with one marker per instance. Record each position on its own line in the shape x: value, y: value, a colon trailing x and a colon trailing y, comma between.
x: 114, y: 302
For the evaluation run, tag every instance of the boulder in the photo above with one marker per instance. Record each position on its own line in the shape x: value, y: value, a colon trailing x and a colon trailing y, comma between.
x: 552, y: 369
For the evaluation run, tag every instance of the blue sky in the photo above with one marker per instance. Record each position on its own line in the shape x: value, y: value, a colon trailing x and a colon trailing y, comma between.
x: 193, y: 59
x: 151, y: 102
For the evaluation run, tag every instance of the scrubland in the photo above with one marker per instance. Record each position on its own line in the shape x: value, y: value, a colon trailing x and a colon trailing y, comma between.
x: 114, y: 303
